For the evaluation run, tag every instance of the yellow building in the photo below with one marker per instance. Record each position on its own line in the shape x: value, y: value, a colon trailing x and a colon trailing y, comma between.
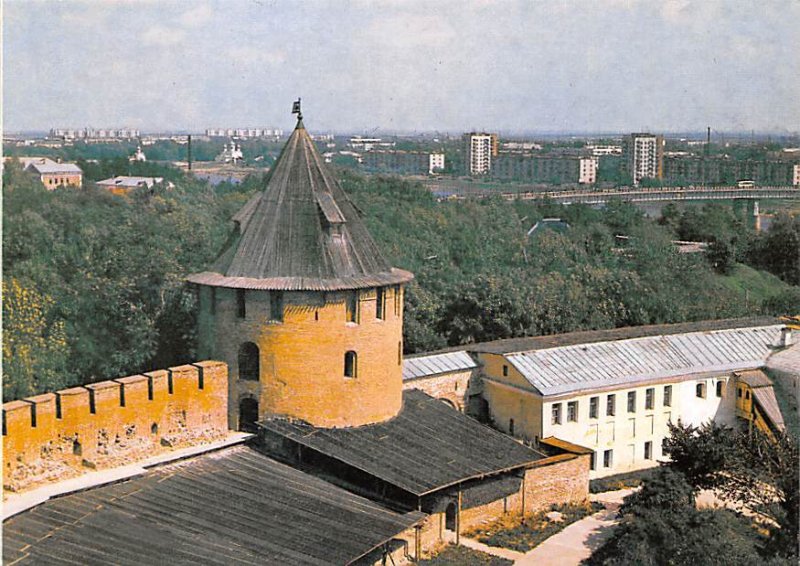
x: 616, y: 395
x: 53, y: 174
x: 302, y: 306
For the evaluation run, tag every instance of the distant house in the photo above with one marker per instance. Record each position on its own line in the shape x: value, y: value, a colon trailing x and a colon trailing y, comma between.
x: 122, y: 185
x: 53, y: 174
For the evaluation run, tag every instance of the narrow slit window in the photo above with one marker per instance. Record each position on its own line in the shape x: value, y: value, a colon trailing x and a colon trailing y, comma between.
x: 350, y: 364
x: 241, y: 306
x: 352, y: 307
x: 58, y: 405
x: 276, y: 306
x: 380, y: 303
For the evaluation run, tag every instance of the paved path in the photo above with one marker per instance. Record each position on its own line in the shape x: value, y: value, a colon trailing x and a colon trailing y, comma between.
x: 572, y: 545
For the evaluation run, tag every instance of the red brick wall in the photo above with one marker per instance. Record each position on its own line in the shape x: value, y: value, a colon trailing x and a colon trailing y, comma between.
x: 58, y: 435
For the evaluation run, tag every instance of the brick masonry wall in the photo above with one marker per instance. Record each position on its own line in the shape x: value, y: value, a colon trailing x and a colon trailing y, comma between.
x: 58, y: 435
x: 301, y: 358
x: 454, y: 387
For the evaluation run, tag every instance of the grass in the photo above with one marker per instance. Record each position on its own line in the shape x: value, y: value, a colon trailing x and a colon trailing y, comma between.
x: 453, y: 555
x: 752, y: 284
x: 509, y: 532
x: 620, y: 481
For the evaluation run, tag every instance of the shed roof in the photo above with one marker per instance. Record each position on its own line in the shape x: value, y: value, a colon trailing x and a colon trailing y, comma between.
x: 582, y: 367
x: 301, y: 233
x: 236, y: 506
x: 427, y: 447
x: 46, y: 166
x: 765, y: 398
x: 436, y: 364
x: 130, y: 182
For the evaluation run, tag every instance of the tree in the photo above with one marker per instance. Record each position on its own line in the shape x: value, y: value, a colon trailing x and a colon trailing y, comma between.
x: 702, y: 453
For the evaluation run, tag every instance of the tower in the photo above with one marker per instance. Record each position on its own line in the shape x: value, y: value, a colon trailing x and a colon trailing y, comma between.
x: 302, y: 305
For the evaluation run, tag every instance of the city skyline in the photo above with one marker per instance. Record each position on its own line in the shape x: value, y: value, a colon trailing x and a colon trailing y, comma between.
x: 512, y: 67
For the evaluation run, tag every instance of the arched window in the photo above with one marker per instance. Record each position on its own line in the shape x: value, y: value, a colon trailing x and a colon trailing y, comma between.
x: 248, y: 414
x: 248, y: 362
x: 350, y: 364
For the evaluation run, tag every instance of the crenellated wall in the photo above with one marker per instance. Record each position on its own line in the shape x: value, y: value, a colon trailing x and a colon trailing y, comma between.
x: 58, y: 435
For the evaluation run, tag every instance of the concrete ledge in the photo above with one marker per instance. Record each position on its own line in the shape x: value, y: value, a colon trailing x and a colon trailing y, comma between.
x: 16, y: 503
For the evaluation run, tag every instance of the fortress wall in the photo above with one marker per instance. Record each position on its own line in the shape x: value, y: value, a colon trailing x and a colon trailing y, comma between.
x: 58, y: 435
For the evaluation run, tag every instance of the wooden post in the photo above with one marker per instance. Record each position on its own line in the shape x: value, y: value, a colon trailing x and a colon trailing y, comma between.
x: 458, y: 517
x: 522, y: 511
x: 417, y: 543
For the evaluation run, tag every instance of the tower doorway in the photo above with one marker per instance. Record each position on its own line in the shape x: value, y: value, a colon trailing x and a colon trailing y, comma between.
x: 248, y: 414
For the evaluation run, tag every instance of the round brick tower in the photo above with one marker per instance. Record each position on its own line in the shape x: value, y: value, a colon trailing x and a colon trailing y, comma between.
x: 302, y: 305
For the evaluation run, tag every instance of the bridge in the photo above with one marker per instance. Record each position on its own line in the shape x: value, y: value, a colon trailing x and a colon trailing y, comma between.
x: 630, y: 194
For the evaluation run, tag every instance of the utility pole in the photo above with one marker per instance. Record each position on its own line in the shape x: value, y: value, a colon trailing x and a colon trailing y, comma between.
x: 189, y: 152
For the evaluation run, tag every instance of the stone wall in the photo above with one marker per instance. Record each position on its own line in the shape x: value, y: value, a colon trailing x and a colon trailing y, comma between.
x: 455, y: 387
x: 58, y: 435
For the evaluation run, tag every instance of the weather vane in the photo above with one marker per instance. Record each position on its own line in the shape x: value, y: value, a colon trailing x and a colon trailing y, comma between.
x: 296, y: 109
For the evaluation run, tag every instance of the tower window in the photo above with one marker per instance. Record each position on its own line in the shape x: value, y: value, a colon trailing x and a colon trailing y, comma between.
x: 352, y: 307
x: 241, y: 307
x: 350, y: 364
x: 249, y: 366
x: 397, y: 303
x: 276, y: 306
x: 380, y: 303
x: 505, y: 370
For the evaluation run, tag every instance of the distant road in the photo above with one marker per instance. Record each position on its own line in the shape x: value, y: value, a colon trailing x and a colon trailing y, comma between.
x: 450, y: 189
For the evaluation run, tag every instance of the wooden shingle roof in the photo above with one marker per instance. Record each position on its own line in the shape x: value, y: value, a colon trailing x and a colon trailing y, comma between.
x: 301, y: 233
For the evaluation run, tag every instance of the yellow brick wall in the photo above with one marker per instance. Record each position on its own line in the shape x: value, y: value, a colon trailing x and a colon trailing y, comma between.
x: 301, y: 359
x: 107, y: 432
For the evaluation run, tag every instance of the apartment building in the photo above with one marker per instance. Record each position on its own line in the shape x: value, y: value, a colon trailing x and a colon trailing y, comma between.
x: 643, y: 156
x: 479, y: 151
x: 554, y: 169
x: 403, y: 162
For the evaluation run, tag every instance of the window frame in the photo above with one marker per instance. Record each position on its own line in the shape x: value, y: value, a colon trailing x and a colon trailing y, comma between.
x: 594, y: 407
x: 351, y: 364
x: 611, y: 403
x: 649, y: 398
x: 572, y: 411
x: 555, y: 414
x: 668, y: 396
x: 631, y: 401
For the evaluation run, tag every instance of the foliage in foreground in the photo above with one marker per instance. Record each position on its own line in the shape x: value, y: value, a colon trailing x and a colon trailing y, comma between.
x: 509, y: 532
x: 661, y: 524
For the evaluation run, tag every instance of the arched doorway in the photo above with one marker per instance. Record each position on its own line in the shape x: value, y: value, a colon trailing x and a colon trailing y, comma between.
x: 448, y: 402
x: 248, y: 414
x: 249, y: 366
x: 450, y: 517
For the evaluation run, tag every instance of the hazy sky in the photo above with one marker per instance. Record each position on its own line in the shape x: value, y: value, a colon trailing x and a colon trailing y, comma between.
x: 603, y: 65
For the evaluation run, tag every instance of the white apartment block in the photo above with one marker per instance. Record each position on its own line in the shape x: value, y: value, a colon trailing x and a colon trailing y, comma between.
x: 600, y: 150
x: 616, y: 397
x: 796, y: 174
x: 644, y: 155
x: 435, y: 163
x: 244, y: 133
x: 588, y: 170
x: 479, y: 148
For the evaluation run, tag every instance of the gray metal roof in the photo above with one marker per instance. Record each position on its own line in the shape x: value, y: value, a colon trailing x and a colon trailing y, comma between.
x: 129, y: 182
x: 48, y: 166
x: 301, y: 233
x: 236, y: 506
x: 435, y: 364
x: 786, y: 361
x: 581, y: 367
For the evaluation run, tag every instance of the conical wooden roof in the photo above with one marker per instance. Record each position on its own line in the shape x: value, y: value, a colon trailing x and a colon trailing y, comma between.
x: 300, y: 233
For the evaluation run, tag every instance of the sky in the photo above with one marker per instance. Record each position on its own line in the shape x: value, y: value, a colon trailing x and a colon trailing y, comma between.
x: 412, y: 65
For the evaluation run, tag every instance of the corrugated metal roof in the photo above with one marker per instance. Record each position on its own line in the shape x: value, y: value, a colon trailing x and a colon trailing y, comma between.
x: 50, y: 167
x: 580, y: 367
x: 236, y: 506
x: 787, y: 361
x: 754, y: 378
x: 434, y: 364
x: 427, y: 447
x: 765, y: 399
x: 130, y: 182
x: 301, y: 233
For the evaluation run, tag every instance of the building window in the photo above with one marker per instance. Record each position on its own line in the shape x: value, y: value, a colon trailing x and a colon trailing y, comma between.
x: 608, y: 458
x: 241, y: 308
x: 511, y: 427
x: 350, y: 364
x: 556, y: 413
x: 276, y: 306
x: 719, y: 388
x: 632, y: 401
x: 249, y: 365
x: 648, y: 450
x: 611, y: 405
x: 700, y: 390
x: 593, y: 403
x: 572, y: 411
x: 593, y: 461
x: 380, y: 303
x: 739, y: 392
x: 397, y: 295
x: 649, y: 398
x: 505, y: 370
x: 667, y: 395
x: 352, y: 307
x: 747, y: 395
